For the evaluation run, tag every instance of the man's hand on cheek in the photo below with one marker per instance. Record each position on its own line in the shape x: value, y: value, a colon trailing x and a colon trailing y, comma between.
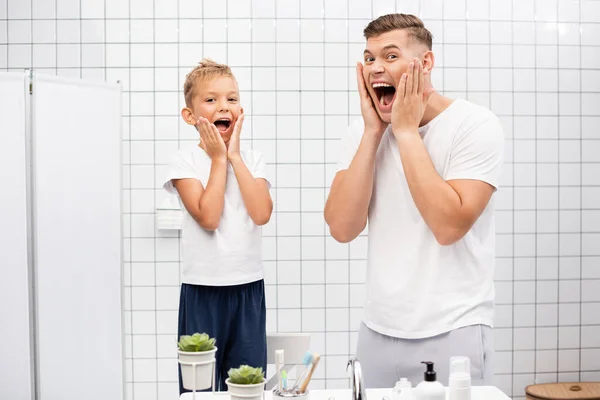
x: 373, y: 123
x: 411, y: 100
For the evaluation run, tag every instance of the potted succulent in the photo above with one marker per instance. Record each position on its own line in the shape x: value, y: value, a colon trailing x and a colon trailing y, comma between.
x: 245, y: 383
x: 197, y: 351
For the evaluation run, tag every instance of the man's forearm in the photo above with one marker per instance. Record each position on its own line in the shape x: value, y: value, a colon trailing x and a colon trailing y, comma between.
x: 256, y: 197
x: 347, y: 206
x: 212, y: 199
x: 438, y: 203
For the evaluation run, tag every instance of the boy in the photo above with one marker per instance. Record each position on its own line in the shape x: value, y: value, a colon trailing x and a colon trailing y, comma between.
x: 225, y: 200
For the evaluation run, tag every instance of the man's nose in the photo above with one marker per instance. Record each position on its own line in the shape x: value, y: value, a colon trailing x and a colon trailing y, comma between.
x: 377, y: 67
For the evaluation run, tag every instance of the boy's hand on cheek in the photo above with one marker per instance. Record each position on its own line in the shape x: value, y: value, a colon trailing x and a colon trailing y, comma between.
x: 233, y: 150
x: 212, y: 142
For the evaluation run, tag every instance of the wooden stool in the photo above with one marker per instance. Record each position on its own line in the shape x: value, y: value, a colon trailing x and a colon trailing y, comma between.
x: 564, y: 391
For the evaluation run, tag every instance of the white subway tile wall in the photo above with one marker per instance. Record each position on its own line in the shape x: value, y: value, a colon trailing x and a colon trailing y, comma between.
x: 536, y: 64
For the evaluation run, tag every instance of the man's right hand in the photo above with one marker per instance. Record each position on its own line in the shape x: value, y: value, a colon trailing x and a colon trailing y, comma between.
x: 373, y: 124
x: 212, y: 142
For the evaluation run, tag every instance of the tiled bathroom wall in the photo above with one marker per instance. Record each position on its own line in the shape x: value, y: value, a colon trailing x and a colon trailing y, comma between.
x: 536, y: 64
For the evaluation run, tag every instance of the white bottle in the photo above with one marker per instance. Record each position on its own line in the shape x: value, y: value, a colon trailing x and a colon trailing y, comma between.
x: 430, y: 388
x: 405, y: 390
x: 398, y: 387
x: 459, y: 382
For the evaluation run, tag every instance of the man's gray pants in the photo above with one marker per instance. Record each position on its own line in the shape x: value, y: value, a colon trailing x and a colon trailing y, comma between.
x: 384, y: 359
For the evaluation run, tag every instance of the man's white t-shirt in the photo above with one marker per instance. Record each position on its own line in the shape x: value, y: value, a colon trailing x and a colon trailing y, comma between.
x: 232, y: 254
x: 417, y: 288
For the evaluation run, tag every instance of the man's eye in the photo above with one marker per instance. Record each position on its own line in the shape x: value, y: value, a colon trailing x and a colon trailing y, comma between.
x: 369, y: 59
x: 392, y: 56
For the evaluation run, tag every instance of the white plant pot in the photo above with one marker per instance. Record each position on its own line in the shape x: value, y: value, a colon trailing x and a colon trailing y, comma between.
x: 203, y: 362
x: 245, y: 392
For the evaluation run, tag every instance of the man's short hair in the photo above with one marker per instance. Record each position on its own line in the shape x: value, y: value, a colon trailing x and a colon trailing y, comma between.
x: 412, y: 24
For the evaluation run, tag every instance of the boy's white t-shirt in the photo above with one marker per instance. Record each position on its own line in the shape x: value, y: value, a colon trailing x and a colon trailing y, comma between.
x: 417, y: 288
x: 232, y: 254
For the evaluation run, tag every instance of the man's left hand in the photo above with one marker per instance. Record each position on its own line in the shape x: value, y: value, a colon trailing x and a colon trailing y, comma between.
x: 411, y: 100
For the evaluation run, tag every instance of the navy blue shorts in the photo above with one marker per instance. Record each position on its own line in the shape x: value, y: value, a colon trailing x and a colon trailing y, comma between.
x: 235, y: 316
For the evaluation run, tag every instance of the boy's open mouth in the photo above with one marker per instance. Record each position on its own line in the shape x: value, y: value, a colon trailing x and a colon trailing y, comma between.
x: 385, y: 94
x: 223, y: 124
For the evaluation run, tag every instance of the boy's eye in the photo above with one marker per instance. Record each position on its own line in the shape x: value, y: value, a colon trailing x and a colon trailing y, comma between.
x: 210, y: 100
x: 232, y: 99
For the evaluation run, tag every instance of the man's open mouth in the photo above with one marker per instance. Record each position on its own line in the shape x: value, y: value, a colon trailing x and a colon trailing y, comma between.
x: 385, y: 94
x: 223, y: 124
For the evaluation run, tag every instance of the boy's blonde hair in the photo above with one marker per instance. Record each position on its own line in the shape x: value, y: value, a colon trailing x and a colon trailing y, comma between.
x: 206, y: 69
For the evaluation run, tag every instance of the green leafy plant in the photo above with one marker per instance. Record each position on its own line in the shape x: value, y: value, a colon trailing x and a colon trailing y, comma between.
x: 246, y: 375
x: 196, y: 342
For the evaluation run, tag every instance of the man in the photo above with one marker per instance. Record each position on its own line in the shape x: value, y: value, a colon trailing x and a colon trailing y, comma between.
x: 423, y: 170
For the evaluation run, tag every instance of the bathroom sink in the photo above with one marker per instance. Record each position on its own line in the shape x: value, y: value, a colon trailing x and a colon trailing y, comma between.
x: 479, y: 393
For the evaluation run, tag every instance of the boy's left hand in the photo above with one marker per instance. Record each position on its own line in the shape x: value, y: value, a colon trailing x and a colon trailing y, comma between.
x: 411, y: 100
x: 233, y: 150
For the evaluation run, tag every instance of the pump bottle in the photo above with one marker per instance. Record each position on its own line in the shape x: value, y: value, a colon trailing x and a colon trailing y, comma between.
x: 430, y: 388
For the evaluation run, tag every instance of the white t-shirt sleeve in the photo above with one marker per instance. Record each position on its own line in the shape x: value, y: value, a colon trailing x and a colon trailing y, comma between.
x: 179, y: 168
x: 477, y: 153
x: 259, y: 167
x: 349, y: 145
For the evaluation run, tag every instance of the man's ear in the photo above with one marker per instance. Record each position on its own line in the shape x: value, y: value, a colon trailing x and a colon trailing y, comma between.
x: 188, y: 116
x: 428, y: 62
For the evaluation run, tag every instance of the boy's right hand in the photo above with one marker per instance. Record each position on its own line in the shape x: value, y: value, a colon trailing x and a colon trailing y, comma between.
x: 373, y: 124
x: 212, y: 141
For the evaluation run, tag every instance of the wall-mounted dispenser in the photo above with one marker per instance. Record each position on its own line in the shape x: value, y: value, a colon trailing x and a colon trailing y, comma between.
x: 169, y: 215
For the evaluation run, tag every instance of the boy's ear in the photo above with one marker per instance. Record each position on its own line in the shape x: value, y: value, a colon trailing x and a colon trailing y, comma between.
x: 241, y: 110
x: 188, y: 116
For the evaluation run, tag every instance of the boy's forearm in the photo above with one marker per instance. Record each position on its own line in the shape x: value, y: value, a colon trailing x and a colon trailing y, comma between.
x: 257, y: 198
x: 212, y: 200
x: 347, y: 206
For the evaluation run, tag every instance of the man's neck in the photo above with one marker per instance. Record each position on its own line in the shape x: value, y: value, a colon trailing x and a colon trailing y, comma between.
x: 201, y: 145
x: 435, y: 106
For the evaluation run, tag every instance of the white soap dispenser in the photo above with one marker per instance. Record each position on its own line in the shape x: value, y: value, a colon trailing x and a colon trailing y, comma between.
x: 430, y: 388
x: 459, y: 386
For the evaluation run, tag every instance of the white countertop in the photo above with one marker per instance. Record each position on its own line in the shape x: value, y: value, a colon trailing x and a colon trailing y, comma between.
x: 478, y: 393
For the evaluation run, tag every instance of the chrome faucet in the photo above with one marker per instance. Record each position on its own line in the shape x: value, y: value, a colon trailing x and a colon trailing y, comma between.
x: 358, y: 390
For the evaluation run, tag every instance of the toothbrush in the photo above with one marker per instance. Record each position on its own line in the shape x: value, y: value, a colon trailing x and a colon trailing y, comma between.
x: 315, y: 360
x: 306, y: 361
x: 284, y: 378
x: 278, y: 364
